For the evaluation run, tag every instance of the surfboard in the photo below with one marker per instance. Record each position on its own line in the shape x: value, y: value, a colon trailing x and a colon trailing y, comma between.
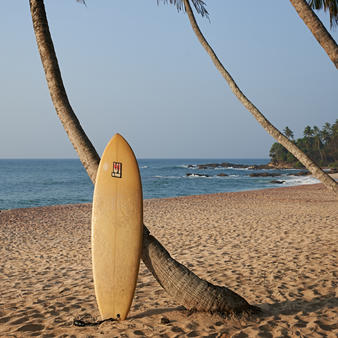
x: 117, y: 229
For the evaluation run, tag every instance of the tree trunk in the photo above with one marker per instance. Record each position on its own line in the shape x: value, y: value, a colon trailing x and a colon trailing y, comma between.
x: 317, y: 172
x: 87, y: 153
x: 183, y: 285
x: 186, y: 288
x: 317, y: 29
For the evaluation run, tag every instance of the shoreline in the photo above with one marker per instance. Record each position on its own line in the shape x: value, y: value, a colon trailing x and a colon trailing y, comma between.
x: 48, y: 186
x: 334, y: 176
x: 275, y: 247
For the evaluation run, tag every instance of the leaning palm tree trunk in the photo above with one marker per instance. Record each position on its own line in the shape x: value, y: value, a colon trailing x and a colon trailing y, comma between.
x: 317, y: 29
x: 186, y: 288
x: 87, y: 153
x: 329, y: 182
x: 183, y: 285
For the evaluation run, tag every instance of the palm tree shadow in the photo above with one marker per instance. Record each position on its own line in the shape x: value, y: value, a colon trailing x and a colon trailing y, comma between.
x: 291, y: 307
x: 158, y: 312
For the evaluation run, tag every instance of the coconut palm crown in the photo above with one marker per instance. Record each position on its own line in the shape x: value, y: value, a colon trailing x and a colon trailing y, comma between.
x: 327, y: 5
x: 198, y: 4
x: 330, y: 5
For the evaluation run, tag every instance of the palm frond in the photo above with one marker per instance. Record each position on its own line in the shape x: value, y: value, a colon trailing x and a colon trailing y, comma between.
x: 327, y: 5
x: 198, y: 4
x: 82, y: 1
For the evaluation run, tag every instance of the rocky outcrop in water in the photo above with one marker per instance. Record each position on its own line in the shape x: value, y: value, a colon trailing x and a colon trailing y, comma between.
x: 277, y: 182
x: 301, y: 173
x: 264, y: 174
x: 230, y: 165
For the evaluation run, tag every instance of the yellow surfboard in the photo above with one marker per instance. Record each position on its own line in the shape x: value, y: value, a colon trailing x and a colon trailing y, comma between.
x: 117, y: 229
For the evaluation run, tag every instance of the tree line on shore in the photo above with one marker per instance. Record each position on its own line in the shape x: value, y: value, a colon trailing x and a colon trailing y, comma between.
x: 321, y: 145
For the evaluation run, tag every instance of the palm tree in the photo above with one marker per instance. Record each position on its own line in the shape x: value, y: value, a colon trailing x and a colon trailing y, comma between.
x: 318, y: 142
x: 329, y: 182
x: 327, y: 138
x: 87, y: 153
x: 330, y: 5
x: 326, y: 133
x: 288, y: 133
x: 316, y: 27
x: 179, y: 282
x: 308, y: 132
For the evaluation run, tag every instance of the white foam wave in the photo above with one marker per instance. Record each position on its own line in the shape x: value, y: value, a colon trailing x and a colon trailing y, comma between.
x: 235, y: 168
x: 186, y: 166
x: 300, y: 180
x: 160, y: 176
x: 199, y: 176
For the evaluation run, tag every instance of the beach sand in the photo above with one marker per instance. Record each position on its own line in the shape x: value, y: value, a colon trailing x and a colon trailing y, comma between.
x: 275, y: 247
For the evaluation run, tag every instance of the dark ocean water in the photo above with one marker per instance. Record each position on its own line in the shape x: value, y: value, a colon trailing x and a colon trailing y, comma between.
x: 36, y: 182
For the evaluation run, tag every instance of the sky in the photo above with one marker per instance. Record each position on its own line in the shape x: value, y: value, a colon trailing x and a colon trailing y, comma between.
x: 136, y: 68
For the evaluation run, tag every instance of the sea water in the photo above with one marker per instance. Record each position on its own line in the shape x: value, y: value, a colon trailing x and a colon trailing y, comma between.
x: 36, y: 182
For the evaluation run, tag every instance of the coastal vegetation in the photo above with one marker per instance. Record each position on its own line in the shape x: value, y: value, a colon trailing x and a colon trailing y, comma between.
x: 321, y: 145
x: 316, y: 171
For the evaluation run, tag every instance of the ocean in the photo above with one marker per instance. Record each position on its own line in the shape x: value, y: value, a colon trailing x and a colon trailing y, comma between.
x: 28, y: 183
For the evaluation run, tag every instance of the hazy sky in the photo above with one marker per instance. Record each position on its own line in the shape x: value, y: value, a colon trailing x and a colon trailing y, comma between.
x: 137, y: 68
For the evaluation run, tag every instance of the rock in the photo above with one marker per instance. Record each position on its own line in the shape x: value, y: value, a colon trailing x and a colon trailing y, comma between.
x: 281, y: 165
x: 233, y: 165
x: 165, y: 320
x: 230, y: 165
x: 260, y: 166
x: 264, y: 175
x: 277, y: 182
x: 301, y: 173
x: 222, y: 174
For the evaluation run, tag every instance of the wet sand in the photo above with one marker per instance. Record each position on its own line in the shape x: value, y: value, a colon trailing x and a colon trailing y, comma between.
x: 275, y: 247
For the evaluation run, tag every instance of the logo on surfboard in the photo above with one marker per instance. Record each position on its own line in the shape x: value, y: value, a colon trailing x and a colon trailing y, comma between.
x: 117, y: 170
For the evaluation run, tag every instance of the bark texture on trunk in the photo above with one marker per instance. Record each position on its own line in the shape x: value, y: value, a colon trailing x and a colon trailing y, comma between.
x: 186, y: 288
x: 318, y: 30
x: 87, y: 153
x: 183, y: 284
x: 317, y: 172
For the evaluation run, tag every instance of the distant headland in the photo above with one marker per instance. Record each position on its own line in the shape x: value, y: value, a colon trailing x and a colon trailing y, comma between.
x: 321, y: 145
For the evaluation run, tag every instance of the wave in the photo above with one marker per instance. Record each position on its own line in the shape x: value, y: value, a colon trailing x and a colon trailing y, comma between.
x: 232, y: 168
x: 200, y: 176
x: 195, y: 166
x: 300, y: 180
x: 171, y: 177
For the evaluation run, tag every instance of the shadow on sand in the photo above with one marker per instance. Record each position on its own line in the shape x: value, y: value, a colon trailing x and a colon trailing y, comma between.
x: 158, y: 312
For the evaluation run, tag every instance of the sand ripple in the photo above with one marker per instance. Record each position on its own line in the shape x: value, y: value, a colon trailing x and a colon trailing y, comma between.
x: 276, y: 247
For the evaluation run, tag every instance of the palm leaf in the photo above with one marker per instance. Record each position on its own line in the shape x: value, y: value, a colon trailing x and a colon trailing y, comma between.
x: 198, y: 4
x: 327, y: 5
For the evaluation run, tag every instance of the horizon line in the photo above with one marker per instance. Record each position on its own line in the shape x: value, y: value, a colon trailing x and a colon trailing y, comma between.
x: 140, y: 158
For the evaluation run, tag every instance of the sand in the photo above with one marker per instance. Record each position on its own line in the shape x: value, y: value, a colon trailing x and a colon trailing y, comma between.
x: 276, y: 247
